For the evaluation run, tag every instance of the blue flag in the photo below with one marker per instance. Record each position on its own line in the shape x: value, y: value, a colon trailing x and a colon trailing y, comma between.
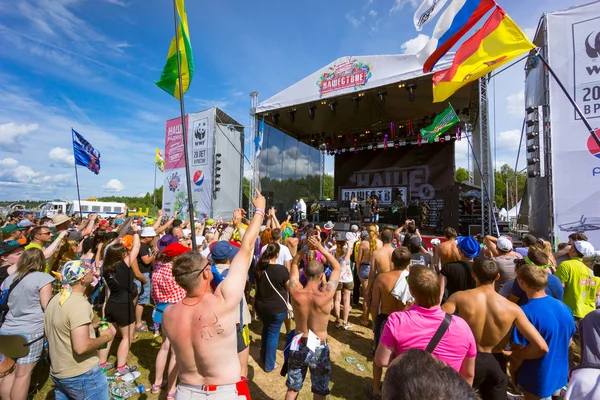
x: 85, y: 154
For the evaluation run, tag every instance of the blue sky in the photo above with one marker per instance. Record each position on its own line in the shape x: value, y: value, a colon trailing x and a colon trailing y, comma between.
x: 90, y: 64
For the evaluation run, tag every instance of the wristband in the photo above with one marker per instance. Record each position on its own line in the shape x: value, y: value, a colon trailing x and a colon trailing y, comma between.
x: 262, y: 210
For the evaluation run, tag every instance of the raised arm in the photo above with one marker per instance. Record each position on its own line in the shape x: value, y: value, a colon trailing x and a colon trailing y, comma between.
x: 490, y: 243
x: 232, y: 288
x: 294, y: 272
x: 158, y: 220
x: 166, y: 226
x: 334, y: 278
x: 48, y: 251
x: 89, y: 228
x: 274, y: 221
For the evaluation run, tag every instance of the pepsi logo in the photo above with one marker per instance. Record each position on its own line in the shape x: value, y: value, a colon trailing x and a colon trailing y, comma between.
x: 593, y: 147
x: 199, y: 177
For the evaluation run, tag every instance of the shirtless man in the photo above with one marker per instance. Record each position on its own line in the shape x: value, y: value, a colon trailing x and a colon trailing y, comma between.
x: 381, y: 261
x: 390, y: 294
x: 447, y: 251
x: 312, y: 307
x: 369, y: 244
x: 491, y: 317
x: 202, y: 327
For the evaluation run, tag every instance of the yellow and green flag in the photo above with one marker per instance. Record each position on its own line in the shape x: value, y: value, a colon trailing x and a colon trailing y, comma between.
x: 160, y: 160
x: 169, y: 81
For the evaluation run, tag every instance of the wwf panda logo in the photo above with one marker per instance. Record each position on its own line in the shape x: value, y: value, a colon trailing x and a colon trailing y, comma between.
x: 200, y: 132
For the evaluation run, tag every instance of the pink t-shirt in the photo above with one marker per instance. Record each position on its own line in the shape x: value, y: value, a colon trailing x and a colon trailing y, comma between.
x: 414, y: 328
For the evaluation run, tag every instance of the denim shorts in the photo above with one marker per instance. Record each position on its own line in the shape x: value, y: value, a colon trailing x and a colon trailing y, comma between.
x: 364, y: 270
x: 91, y: 385
x: 318, y: 362
x: 144, y: 297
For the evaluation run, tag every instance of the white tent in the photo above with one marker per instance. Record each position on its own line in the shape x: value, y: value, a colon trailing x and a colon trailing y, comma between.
x: 513, y: 213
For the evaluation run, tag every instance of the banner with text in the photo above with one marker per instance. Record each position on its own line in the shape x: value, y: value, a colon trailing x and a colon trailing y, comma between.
x: 200, y: 132
x: 574, y: 55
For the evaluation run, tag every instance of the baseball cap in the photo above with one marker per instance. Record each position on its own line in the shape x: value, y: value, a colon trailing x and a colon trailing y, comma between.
x: 9, y: 247
x: 504, y: 243
x: 468, y: 246
x: 354, y: 228
x: 25, y: 223
x: 200, y: 240
x: 17, y: 214
x: 223, y: 250
x: 584, y: 247
x: 148, y: 232
x: 11, y: 228
x: 415, y: 244
x: 529, y: 240
x: 364, y: 235
x: 175, y: 249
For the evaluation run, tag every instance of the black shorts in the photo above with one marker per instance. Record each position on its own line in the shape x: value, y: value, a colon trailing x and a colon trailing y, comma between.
x: 489, y: 378
x: 378, y: 327
x: 122, y: 314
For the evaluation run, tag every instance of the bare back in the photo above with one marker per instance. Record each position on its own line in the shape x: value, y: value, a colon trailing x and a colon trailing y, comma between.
x: 204, y: 339
x: 448, y: 252
x: 311, y: 309
x: 386, y: 282
x: 382, y: 259
x: 489, y: 315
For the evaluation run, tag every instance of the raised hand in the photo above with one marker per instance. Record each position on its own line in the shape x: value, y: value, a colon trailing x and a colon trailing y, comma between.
x: 259, y: 201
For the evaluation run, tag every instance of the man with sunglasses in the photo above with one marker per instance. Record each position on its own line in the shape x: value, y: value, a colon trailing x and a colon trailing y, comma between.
x: 41, y: 236
x: 202, y: 327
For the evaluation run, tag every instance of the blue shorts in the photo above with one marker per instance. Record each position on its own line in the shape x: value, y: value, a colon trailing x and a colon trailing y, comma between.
x: 318, y: 362
x: 157, y: 314
x: 364, y: 270
x: 144, y: 292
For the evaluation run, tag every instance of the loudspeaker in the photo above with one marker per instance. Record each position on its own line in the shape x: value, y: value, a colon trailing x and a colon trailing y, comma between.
x: 365, y: 220
x: 451, y: 209
x: 342, y: 227
x: 344, y: 218
x: 475, y: 230
x: 504, y: 227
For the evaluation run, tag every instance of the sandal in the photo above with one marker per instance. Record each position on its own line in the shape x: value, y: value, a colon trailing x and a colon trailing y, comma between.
x: 171, y: 396
x: 157, y: 388
x: 142, y: 328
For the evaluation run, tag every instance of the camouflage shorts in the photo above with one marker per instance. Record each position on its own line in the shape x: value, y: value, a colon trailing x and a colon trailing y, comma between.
x: 319, y: 364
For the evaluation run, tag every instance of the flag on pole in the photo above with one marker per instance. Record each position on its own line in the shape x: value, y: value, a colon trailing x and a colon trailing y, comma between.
x: 426, y: 12
x: 160, y: 161
x: 259, y: 138
x: 455, y: 21
x: 169, y: 81
x: 441, y: 124
x: 85, y: 154
x: 499, y: 41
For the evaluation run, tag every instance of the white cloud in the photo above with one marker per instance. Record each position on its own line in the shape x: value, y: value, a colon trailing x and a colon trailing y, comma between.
x: 296, y: 163
x: 373, y: 13
x: 414, y: 45
x: 8, y: 163
x: 399, y: 5
x: 62, y: 156
x: 114, y: 186
x: 11, y: 135
x: 508, y: 140
x: 14, y: 174
x: 515, y: 103
x: 354, y: 21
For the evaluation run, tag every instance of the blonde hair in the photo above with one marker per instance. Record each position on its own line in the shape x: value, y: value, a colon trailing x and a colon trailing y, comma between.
x: 372, y: 239
x: 32, y: 260
x: 66, y: 252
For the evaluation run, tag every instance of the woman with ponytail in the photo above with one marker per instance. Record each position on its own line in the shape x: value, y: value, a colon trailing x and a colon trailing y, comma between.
x: 271, y: 302
x: 345, y: 287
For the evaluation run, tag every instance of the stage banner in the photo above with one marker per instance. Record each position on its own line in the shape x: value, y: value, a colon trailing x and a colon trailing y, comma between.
x: 385, y: 195
x: 574, y: 55
x: 200, y: 129
x: 425, y: 170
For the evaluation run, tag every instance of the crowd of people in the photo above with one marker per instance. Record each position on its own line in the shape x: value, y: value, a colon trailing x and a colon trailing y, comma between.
x: 478, y: 317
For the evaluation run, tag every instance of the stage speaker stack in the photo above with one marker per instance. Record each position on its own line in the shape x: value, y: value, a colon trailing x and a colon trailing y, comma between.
x: 451, y: 209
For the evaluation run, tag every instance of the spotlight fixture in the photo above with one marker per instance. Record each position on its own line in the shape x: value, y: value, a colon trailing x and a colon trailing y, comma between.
x: 275, y: 118
x: 402, y: 85
x: 532, y: 122
x: 323, y: 102
x: 381, y: 96
x: 374, y: 146
x: 531, y: 109
x: 292, y: 115
x: 332, y: 105
x: 311, y: 112
x: 411, y: 91
x: 355, y: 102
x: 533, y: 148
x: 396, y: 144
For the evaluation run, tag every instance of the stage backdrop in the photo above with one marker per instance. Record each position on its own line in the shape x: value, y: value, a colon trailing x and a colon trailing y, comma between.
x: 425, y: 170
x: 201, y: 128
x: 574, y: 54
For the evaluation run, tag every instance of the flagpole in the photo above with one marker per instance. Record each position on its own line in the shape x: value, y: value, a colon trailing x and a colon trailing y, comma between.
x: 78, y: 195
x: 566, y: 92
x: 155, y: 168
x: 184, y: 131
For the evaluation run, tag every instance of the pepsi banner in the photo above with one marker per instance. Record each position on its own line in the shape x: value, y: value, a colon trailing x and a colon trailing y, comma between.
x: 200, y: 137
x: 85, y: 154
x: 574, y: 55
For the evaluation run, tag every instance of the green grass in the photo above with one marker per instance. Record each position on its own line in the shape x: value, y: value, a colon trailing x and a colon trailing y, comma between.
x: 347, y: 381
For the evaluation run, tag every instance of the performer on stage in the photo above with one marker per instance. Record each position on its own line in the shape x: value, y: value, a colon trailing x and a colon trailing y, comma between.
x: 354, y: 209
x: 315, y: 208
x: 398, y: 210
x: 374, y: 210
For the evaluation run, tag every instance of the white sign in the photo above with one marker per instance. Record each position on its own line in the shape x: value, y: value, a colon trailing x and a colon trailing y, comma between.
x: 384, y: 194
x: 574, y: 55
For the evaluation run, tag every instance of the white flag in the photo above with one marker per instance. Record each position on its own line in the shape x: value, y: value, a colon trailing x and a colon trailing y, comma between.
x: 426, y: 12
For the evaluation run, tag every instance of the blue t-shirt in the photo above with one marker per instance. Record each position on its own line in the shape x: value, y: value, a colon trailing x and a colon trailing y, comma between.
x: 554, y: 289
x: 554, y: 321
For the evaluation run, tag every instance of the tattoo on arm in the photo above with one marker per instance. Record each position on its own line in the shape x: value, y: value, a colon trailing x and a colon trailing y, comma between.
x: 294, y: 283
x: 332, y: 285
x: 210, y: 328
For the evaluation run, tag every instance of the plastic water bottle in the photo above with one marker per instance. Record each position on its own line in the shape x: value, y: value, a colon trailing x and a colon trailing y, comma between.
x: 131, y: 391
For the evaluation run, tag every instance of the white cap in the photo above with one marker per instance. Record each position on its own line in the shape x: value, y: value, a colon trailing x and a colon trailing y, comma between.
x: 354, y: 228
x: 148, y: 232
x: 504, y: 243
x: 200, y: 240
x: 584, y: 248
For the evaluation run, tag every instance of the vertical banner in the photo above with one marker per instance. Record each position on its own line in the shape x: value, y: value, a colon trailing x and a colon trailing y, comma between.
x: 200, y: 129
x: 574, y: 55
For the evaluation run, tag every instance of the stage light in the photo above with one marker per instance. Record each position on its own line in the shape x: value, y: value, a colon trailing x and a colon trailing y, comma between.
x: 311, y: 112
x: 533, y: 148
x: 382, y: 95
x: 355, y: 103
x: 396, y: 144
x: 532, y: 122
x: 442, y: 140
x: 292, y: 115
x: 531, y: 109
x: 411, y: 91
x: 361, y: 95
x: 374, y: 146
x: 275, y: 118
x: 402, y: 85
x: 532, y: 161
x: 367, y: 132
x: 323, y: 102
x: 332, y: 106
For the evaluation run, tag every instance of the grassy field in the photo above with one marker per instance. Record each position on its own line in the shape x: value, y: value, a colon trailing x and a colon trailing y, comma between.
x: 347, y: 381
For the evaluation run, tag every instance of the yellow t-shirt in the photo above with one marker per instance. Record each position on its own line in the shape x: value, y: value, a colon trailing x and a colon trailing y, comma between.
x: 58, y: 323
x: 581, y: 286
x: 33, y: 246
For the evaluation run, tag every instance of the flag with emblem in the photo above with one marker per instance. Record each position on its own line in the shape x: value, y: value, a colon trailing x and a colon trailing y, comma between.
x: 499, y: 41
x: 160, y: 160
x: 441, y: 124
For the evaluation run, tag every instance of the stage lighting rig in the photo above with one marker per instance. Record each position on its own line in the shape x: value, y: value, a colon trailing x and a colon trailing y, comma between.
x: 292, y: 115
x: 311, y: 112
x: 381, y: 96
x: 396, y: 144
x: 410, y: 87
x: 332, y: 105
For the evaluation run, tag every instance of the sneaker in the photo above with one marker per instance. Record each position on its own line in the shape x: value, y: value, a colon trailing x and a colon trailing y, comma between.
x: 510, y: 396
x: 125, y: 370
x: 348, y: 326
x: 337, y: 324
